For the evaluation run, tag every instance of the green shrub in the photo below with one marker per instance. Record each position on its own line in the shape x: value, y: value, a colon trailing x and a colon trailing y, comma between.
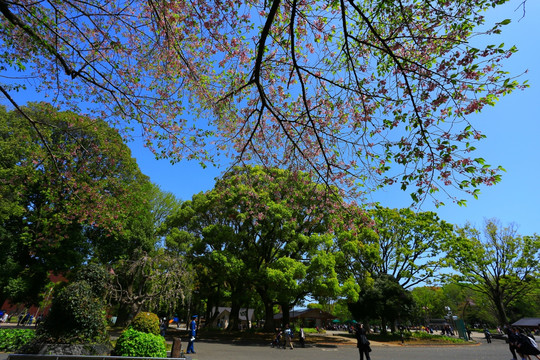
x: 137, y: 343
x: 425, y: 336
x: 146, y: 322
x: 13, y: 339
x: 76, y: 316
x: 96, y: 276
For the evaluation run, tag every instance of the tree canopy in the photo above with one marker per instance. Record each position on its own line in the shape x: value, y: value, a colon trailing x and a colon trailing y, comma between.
x: 72, y: 178
x: 386, y: 301
x: 360, y: 93
x: 265, y: 231
x: 405, y: 245
x: 498, y: 263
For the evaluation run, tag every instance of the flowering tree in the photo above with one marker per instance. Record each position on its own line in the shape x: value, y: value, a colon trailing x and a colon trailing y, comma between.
x: 47, y: 221
x: 361, y: 93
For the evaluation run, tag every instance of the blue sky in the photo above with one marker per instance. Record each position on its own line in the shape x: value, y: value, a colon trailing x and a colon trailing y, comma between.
x: 512, y: 128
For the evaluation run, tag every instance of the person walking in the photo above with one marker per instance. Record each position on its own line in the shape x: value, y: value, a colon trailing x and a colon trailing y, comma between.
x: 362, y: 342
x: 526, y: 346
x: 192, y: 333
x: 302, y: 337
x: 512, y: 341
x: 277, y: 339
x: 288, y: 337
x: 487, y: 335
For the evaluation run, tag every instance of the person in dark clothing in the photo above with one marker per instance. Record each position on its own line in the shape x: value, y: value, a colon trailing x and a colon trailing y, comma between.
x: 302, y: 337
x: 488, y: 335
x: 526, y: 346
x: 512, y: 341
x: 192, y: 333
x: 362, y: 342
x: 277, y: 339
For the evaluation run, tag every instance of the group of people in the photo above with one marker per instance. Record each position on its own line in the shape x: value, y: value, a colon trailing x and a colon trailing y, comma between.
x: 522, y: 344
x: 24, y: 319
x: 4, y: 317
x: 284, y: 339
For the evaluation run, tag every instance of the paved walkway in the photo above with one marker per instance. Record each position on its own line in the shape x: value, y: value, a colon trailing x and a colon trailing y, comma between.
x: 220, y: 350
x: 482, y: 351
x: 215, y: 350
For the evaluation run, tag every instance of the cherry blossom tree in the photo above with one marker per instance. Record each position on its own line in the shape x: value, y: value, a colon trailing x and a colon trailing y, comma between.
x: 362, y: 94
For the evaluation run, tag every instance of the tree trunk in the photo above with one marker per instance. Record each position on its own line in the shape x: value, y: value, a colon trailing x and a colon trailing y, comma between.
x: 268, y: 310
x: 123, y: 316
x: 383, y: 326
x: 234, y: 322
x: 499, y: 307
x: 285, y: 309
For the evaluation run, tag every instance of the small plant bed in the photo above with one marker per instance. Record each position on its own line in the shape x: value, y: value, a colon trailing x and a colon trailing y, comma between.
x: 409, y: 338
x: 13, y: 339
x: 417, y: 338
x: 421, y: 337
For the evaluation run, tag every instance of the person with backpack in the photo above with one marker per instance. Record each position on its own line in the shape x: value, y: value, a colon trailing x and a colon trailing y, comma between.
x: 362, y: 342
x: 288, y: 337
x: 526, y: 346
x: 487, y: 334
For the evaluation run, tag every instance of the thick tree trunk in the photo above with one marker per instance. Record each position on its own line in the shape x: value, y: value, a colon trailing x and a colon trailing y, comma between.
x: 268, y: 311
x: 383, y: 326
x: 123, y: 316
x: 499, y: 307
x: 285, y: 309
x: 234, y: 321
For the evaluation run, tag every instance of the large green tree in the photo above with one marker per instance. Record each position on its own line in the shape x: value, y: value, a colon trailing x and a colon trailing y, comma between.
x: 386, y: 302
x: 401, y: 243
x: 146, y: 276
x: 362, y: 93
x: 265, y: 229
x: 61, y: 176
x: 498, y: 262
x: 199, y: 229
x: 434, y: 302
x: 429, y: 303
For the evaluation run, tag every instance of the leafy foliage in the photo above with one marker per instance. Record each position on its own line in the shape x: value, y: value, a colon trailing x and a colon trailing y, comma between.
x: 140, y: 344
x: 146, y: 322
x: 386, y: 301
x: 63, y: 179
x: 156, y: 280
x: 425, y: 336
x: 13, y: 339
x: 76, y: 316
x: 362, y: 93
x: 96, y: 276
x: 270, y: 230
x: 501, y: 264
x: 400, y: 243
